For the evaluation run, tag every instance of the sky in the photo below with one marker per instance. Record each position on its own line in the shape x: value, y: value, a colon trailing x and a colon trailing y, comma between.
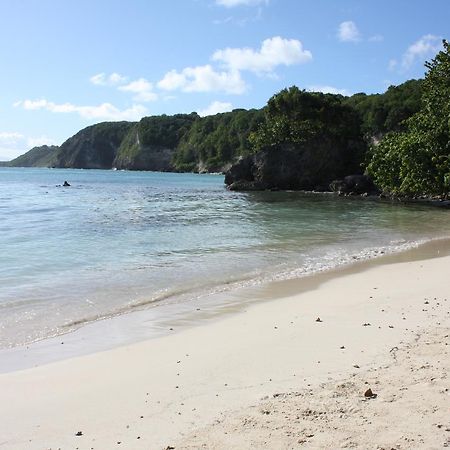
x: 67, y: 64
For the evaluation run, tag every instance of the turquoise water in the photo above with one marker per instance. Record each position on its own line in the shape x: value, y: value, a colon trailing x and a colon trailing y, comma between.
x: 116, y: 241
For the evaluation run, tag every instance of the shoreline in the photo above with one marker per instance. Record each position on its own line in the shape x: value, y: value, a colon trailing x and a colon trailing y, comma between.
x: 165, y: 319
x: 156, y: 393
x: 142, y: 323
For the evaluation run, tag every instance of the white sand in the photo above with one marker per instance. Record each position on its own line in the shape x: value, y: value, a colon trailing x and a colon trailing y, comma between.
x: 204, y: 387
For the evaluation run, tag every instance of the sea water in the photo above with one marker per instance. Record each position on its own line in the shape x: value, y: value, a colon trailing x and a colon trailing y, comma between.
x: 117, y: 241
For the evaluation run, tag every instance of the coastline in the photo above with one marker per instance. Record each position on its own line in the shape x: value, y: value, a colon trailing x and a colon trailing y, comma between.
x: 165, y: 318
x: 184, y: 381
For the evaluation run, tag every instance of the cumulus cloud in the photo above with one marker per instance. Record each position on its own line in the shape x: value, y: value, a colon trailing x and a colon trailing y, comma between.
x: 233, y: 3
x: 329, y: 90
x: 216, y: 107
x: 142, y: 89
x: 172, y: 81
x: 203, y: 79
x: 423, y: 48
x: 104, y: 111
x: 348, y: 32
x: 273, y: 52
x: 101, y: 79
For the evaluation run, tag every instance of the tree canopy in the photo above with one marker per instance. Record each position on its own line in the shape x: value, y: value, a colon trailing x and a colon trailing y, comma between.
x: 417, y: 161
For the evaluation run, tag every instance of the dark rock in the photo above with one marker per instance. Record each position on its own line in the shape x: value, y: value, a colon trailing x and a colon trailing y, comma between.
x: 79, y: 433
x: 319, y: 319
x: 242, y: 171
x: 244, y: 185
x: 354, y: 185
x: 310, y: 167
x: 66, y: 184
x: 369, y: 394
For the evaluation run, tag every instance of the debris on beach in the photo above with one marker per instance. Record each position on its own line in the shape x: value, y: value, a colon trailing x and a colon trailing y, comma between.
x: 369, y: 394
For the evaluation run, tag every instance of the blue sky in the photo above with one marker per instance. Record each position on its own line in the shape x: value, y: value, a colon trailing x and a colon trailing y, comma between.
x: 68, y: 64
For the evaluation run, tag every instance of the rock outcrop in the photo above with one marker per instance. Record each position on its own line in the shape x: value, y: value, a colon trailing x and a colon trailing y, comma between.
x: 354, y: 185
x: 311, y: 168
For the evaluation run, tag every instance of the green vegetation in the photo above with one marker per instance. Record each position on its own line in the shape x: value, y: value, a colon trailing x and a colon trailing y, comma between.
x: 150, y: 144
x: 214, y: 141
x: 299, y: 119
x: 417, y: 161
x: 380, y: 113
x: 306, y: 137
x: 94, y: 147
x: 43, y: 156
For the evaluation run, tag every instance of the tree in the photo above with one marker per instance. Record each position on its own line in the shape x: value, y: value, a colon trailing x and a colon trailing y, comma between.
x: 417, y: 161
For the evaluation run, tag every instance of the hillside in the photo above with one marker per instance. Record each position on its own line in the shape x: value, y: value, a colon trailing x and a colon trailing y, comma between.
x: 94, y: 147
x: 43, y: 156
x: 190, y: 143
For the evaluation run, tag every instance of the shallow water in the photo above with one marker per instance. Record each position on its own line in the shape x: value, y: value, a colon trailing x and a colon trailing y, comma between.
x: 118, y: 241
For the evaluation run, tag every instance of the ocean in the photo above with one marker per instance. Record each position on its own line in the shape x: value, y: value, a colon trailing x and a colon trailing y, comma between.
x: 118, y: 241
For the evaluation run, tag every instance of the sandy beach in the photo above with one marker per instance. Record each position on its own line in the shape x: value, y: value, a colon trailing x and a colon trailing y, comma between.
x: 288, y: 372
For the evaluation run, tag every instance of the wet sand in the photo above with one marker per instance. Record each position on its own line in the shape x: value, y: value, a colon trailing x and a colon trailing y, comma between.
x: 269, y: 375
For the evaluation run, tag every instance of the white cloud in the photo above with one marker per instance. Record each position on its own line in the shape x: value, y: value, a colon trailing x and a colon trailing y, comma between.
x: 13, y: 144
x: 140, y: 85
x: 274, y: 52
x: 216, y: 107
x: 203, y: 79
x: 31, y: 104
x: 329, y: 90
x: 142, y: 90
x: 348, y: 32
x: 101, y: 79
x: 423, y: 48
x: 104, y: 111
x: 233, y: 3
x: 172, y: 81
x: 10, y: 138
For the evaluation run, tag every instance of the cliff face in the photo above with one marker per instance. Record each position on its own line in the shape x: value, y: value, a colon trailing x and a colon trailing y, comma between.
x: 309, y: 167
x: 151, y: 144
x: 94, y: 147
x: 309, y: 134
x: 43, y: 156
